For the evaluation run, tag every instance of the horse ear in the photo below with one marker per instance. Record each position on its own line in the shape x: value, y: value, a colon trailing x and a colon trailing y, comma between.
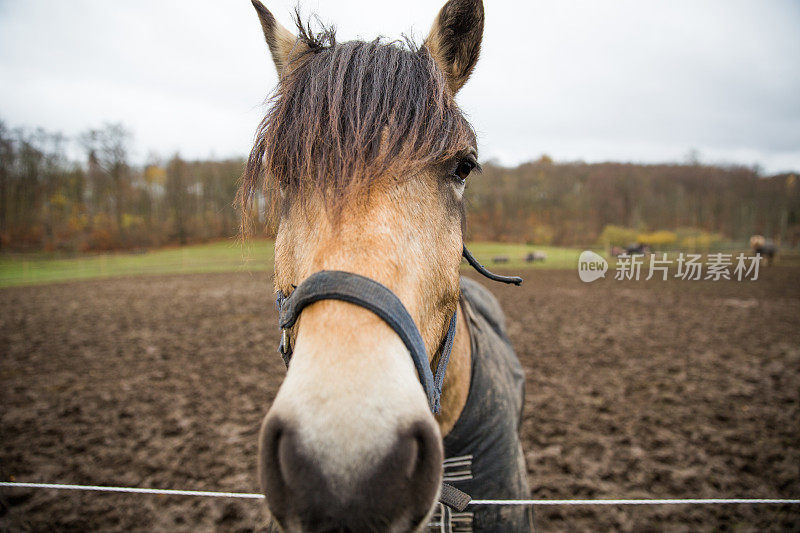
x: 455, y: 40
x: 282, y: 43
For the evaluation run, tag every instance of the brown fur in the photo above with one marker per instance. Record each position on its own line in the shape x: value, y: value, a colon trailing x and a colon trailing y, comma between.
x: 455, y: 40
x: 385, y: 249
x: 346, y: 115
x: 282, y: 44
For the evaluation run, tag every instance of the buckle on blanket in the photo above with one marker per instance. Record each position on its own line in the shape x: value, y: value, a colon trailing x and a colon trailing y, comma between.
x: 454, y: 498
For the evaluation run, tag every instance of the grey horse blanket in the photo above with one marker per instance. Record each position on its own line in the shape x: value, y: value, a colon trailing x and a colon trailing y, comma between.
x: 488, y: 428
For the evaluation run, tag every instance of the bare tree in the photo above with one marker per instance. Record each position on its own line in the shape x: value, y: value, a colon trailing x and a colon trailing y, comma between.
x: 178, y: 196
x: 107, y: 154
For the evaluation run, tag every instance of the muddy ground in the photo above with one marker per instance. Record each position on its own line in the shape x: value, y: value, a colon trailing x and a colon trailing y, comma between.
x: 634, y: 390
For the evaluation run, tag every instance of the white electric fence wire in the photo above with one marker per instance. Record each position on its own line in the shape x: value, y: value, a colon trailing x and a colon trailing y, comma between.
x: 135, y: 490
x: 673, y: 501
x: 255, y: 496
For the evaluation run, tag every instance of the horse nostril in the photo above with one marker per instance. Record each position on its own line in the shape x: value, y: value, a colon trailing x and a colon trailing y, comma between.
x: 428, y: 444
x: 271, y: 472
x: 421, y: 449
x: 416, y: 447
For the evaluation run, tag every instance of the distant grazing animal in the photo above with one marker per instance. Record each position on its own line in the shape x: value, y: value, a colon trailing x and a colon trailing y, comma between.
x: 500, y: 259
x: 767, y: 248
x: 637, y: 249
x: 364, y: 156
x: 533, y: 257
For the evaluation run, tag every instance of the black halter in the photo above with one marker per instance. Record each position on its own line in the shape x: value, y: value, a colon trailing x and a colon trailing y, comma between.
x: 371, y: 295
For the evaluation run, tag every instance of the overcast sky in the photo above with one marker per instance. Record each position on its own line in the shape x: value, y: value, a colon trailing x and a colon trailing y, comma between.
x: 595, y: 80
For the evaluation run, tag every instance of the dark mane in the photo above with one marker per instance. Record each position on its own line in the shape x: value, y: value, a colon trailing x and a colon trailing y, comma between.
x: 346, y: 114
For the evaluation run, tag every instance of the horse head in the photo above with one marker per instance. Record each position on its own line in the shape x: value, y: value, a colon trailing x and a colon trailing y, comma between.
x: 364, y: 156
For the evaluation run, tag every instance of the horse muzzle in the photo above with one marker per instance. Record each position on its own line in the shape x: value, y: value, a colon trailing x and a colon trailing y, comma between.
x: 394, y: 492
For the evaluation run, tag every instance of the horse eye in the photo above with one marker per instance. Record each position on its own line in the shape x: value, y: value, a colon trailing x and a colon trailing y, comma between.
x: 465, y: 166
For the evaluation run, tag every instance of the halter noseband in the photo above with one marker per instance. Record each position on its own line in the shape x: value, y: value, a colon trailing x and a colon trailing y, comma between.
x: 375, y: 297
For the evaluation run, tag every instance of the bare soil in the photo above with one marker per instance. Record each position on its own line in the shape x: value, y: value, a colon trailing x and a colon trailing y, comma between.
x: 634, y: 390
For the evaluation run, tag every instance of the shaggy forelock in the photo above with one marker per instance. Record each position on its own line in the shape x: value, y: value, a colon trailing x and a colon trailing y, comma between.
x: 345, y: 115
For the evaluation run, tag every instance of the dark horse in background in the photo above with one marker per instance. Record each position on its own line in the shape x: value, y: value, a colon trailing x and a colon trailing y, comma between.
x: 767, y: 248
x: 364, y: 156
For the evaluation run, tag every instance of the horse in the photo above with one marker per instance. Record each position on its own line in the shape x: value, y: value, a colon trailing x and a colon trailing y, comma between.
x: 363, y: 157
x: 767, y: 248
x: 533, y: 257
x: 637, y: 248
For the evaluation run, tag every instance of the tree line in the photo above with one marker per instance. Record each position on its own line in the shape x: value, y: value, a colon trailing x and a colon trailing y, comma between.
x: 99, y: 200
x: 85, y: 193
x: 579, y: 204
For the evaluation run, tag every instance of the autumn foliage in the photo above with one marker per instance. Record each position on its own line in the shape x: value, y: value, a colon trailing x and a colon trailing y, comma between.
x: 86, y: 193
x: 578, y: 204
